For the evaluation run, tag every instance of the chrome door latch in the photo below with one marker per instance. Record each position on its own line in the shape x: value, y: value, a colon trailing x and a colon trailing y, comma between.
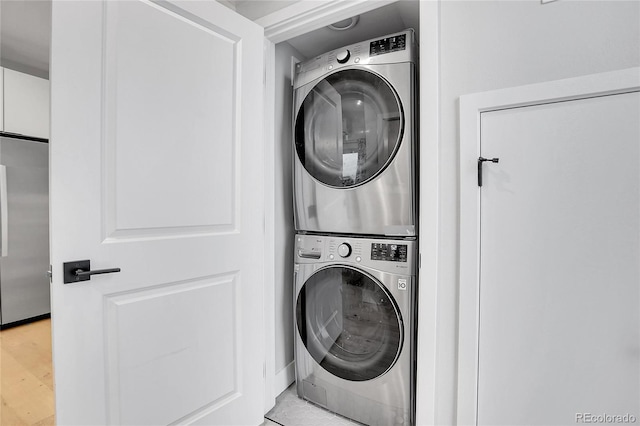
x: 80, y: 270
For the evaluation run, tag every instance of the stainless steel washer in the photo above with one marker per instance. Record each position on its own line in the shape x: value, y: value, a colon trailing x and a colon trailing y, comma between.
x: 355, y: 308
x: 356, y: 139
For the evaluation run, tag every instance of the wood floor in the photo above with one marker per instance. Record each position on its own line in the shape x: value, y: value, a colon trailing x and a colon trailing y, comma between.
x: 26, y: 376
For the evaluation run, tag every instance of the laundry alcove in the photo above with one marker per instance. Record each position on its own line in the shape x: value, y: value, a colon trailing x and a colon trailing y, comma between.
x: 385, y: 18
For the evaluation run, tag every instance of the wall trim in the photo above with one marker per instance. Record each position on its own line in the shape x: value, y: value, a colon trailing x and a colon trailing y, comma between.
x: 269, y: 226
x: 284, y: 378
x: 427, y: 336
x: 471, y: 106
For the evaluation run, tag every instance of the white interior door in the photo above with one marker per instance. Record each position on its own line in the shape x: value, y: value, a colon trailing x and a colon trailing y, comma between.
x: 559, y: 334
x: 156, y: 168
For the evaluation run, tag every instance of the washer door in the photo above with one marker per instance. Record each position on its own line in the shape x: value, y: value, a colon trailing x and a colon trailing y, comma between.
x: 349, y: 323
x: 348, y: 128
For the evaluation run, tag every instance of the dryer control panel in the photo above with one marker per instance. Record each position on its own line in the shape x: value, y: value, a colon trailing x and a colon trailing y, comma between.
x: 390, y: 49
x: 388, y: 45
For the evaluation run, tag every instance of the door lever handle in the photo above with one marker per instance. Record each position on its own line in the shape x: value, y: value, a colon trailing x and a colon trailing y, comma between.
x: 80, y: 270
x: 480, y: 161
x: 81, y: 273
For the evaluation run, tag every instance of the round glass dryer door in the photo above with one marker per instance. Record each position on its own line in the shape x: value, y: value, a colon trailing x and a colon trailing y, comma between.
x: 349, y: 323
x: 348, y: 128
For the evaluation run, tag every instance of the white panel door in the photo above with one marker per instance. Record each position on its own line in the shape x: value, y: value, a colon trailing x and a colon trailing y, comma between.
x: 559, y: 296
x: 156, y: 168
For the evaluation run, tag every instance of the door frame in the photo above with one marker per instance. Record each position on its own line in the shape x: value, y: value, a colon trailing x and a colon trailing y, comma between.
x: 300, y: 18
x: 471, y: 107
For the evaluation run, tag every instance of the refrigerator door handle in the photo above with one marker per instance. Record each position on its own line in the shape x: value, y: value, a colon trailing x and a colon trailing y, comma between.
x: 4, y: 213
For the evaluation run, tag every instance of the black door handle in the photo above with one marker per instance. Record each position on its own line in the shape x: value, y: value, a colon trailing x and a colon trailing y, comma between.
x: 81, y: 273
x: 80, y: 270
x: 480, y: 161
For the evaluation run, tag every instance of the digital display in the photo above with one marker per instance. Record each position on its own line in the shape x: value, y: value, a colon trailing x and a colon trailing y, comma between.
x: 387, y: 45
x: 389, y: 252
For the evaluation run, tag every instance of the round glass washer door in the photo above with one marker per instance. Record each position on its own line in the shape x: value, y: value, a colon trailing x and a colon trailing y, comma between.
x: 349, y: 323
x: 348, y: 128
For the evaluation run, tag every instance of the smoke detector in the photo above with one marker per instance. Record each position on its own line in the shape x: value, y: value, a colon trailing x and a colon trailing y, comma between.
x: 345, y: 24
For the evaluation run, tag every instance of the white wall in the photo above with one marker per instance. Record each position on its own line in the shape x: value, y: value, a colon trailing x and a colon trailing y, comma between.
x: 486, y: 45
x: 284, y: 232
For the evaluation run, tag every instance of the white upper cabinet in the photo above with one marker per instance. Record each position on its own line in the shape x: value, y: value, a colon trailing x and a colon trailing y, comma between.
x: 26, y: 104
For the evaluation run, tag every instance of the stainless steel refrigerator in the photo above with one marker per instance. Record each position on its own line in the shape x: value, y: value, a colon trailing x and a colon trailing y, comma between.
x: 24, y: 229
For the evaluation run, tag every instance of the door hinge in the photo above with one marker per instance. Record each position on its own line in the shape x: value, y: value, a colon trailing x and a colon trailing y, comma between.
x: 480, y: 161
x: 50, y: 274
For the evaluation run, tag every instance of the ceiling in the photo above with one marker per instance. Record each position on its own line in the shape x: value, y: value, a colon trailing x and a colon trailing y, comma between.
x: 395, y: 17
x: 25, y: 29
x: 256, y: 9
x: 392, y: 18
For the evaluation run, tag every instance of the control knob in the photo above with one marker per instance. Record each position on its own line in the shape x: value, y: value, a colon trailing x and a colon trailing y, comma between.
x: 343, y: 56
x: 344, y: 250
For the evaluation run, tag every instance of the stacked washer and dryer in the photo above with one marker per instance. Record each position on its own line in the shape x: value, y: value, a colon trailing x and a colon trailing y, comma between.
x: 355, y: 186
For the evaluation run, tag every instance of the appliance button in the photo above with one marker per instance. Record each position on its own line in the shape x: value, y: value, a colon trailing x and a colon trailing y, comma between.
x: 356, y: 60
x: 358, y: 259
x: 331, y: 256
x: 343, y: 56
x: 344, y: 250
x: 330, y: 67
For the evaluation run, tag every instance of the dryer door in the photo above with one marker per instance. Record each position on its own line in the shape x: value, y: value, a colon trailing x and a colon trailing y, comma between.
x: 348, y: 128
x: 349, y: 323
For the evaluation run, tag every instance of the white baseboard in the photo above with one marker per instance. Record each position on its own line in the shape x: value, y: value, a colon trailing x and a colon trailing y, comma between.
x: 284, y: 378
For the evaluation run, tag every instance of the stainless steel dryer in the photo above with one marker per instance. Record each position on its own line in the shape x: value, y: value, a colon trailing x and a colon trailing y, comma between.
x: 355, y: 139
x: 355, y: 308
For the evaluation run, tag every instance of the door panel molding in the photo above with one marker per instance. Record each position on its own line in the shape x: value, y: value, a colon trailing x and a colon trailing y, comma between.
x: 211, y: 302
x: 471, y: 107
x: 137, y: 213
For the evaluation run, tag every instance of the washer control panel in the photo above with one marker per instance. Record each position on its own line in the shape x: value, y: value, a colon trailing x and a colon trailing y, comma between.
x: 389, y: 252
x: 343, y: 248
x: 382, y: 254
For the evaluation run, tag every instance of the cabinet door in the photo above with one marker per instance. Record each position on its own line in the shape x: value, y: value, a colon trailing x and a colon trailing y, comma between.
x: 559, y: 262
x: 26, y: 104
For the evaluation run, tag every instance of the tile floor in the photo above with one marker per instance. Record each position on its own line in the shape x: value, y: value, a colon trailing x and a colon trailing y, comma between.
x: 293, y: 411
